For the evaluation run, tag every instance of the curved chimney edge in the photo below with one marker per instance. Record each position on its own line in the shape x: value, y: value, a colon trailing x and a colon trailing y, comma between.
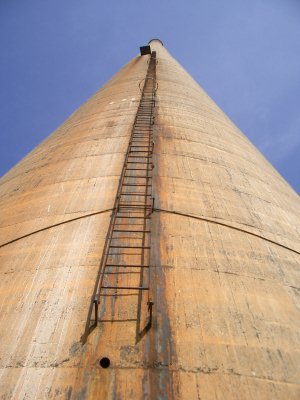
x: 155, y: 39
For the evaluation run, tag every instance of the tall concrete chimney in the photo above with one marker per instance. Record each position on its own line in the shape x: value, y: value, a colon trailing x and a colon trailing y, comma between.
x: 148, y: 250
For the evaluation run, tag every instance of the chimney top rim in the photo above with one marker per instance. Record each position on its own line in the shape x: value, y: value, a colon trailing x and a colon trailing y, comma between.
x: 156, y: 39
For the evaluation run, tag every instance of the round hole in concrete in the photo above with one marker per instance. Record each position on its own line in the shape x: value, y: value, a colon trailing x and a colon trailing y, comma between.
x: 104, y: 362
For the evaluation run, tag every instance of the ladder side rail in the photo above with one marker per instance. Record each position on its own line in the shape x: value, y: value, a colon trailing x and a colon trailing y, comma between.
x: 105, y: 253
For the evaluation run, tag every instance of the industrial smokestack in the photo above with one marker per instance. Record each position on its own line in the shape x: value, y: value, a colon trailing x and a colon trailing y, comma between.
x: 148, y: 250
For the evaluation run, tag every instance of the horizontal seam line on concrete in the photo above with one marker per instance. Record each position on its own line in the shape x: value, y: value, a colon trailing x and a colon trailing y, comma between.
x: 226, y: 225
x: 158, y: 210
x: 55, y: 225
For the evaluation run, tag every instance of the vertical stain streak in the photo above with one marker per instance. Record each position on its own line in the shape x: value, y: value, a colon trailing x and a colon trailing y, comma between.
x: 159, y: 351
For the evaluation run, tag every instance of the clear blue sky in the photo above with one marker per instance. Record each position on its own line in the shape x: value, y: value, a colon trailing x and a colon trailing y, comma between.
x: 246, y: 54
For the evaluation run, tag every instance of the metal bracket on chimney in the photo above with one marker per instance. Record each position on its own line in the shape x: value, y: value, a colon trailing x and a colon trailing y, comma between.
x: 145, y: 50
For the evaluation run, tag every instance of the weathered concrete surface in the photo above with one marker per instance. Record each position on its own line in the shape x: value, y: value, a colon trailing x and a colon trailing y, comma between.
x: 55, y: 209
x: 225, y: 257
x: 227, y: 237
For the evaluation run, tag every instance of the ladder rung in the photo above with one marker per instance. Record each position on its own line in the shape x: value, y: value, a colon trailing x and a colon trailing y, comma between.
x: 148, y: 137
x: 126, y: 224
x: 123, y: 215
x: 137, y: 145
x: 133, y: 184
x: 130, y: 231
x: 127, y: 238
x: 143, y: 135
x: 128, y: 266
x: 135, y: 194
x: 135, y: 204
x: 148, y: 144
x: 133, y: 216
x: 135, y: 209
x: 121, y: 273
x: 140, y: 141
x: 128, y: 247
x: 142, y: 132
x: 140, y: 151
x: 126, y: 287
x: 137, y: 169
x: 123, y: 254
x: 139, y: 162
x: 138, y: 176
x: 129, y: 155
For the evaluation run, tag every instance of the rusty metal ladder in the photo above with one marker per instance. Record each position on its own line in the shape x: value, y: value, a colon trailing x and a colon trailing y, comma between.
x: 126, y: 255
